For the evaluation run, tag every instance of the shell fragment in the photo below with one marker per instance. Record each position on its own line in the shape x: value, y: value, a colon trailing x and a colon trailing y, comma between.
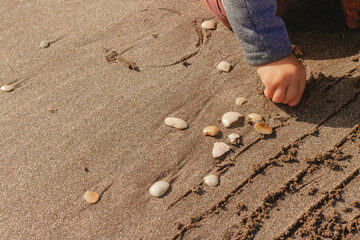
x: 176, y: 123
x: 234, y: 138
x: 240, y: 101
x: 159, y: 188
x: 211, y: 180
x: 208, y: 24
x: 224, y: 66
x: 211, y: 131
x: 7, y: 88
x: 254, y: 118
x: 263, y: 128
x: 220, y: 149
x: 229, y: 119
x: 91, y: 197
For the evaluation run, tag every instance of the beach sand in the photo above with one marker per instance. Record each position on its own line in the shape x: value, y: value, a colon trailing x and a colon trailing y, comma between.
x: 88, y: 114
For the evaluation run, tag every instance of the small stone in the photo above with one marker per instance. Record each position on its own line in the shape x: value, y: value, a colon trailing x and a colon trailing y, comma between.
x: 230, y: 118
x: 224, y: 66
x: 263, y: 128
x: 208, y: 24
x: 254, y: 118
x: 240, y: 101
x: 159, y: 188
x: 211, y: 131
x: 91, y: 197
x: 234, y: 138
x: 7, y: 88
x: 211, y: 180
x: 176, y: 123
x: 44, y: 44
x: 220, y: 149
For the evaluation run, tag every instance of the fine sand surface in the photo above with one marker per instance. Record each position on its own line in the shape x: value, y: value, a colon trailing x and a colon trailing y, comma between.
x: 81, y: 119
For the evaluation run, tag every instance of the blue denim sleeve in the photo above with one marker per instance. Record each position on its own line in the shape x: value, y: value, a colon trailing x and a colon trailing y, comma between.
x: 261, y: 34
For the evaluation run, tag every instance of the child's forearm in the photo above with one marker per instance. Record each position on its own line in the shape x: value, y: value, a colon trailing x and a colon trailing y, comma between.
x: 260, y: 32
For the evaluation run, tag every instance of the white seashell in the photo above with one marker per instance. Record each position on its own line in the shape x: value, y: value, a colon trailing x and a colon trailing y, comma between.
x: 211, y: 180
x: 240, y: 101
x: 7, y: 88
x: 234, y: 138
x: 220, y: 149
x: 254, y: 118
x: 263, y: 128
x: 211, y: 131
x: 208, y: 24
x: 224, y: 66
x: 44, y: 44
x: 91, y: 197
x: 230, y: 118
x: 159, y: 188
x: 176, y: 123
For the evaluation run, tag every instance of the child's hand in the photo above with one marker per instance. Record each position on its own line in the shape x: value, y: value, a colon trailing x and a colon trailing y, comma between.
x: 284, y: 80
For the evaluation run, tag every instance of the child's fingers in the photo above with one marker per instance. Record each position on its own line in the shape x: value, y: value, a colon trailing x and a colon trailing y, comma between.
x: 300, y: 93
x: 279, y: 94
x: 269, y: 92
x: 291, y: 93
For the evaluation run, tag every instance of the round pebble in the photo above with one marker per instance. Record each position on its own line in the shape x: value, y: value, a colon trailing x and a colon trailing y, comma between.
x: 44, y: 44
x: 176, y: 123
x: 263, y: 128
x: 224, y: 66
x: 211, y: 131
x: 91, y: 197
x: 234, y: 138
x: 208, y: 24
x: 240, y: 101
x: 220, y: 149
x: 7, y: 88
x: 254, y: 118
x: 230, y: 118
x: 159, y: 188
x: 211, y: 180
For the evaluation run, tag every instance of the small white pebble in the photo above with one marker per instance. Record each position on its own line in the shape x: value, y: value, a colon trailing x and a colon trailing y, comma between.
x: 159, y: 188
x: 7, y: 88
x: 208, y: 24
x: 211, y: 180
x: 176, y: 123
x: 224, y: 66
x: 230, y: 118
x: 220, y: 149
x: 254, y: 118
x: 234, y: 138
x: 44, y: 44
x: 240, y: 101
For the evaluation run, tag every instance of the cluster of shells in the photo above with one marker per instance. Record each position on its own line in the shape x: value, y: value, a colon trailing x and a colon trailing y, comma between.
x: 229, y: 120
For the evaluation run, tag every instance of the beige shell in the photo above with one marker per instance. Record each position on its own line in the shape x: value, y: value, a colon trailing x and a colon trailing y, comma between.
x: 44, y: 44
x: 208, y: 24
x: 224, y: 66
x: 234, y: 138
x: 230, y: 118
x: 176, y: 123
x: 91, y: 197
x: 159, y: 188
x: 263, y: 128
x: 211, y: 180
x: 7, y: 88
x: 254, y: 118
x: 240, y: 101
x: 220, y: 149
x: 211, y: 131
